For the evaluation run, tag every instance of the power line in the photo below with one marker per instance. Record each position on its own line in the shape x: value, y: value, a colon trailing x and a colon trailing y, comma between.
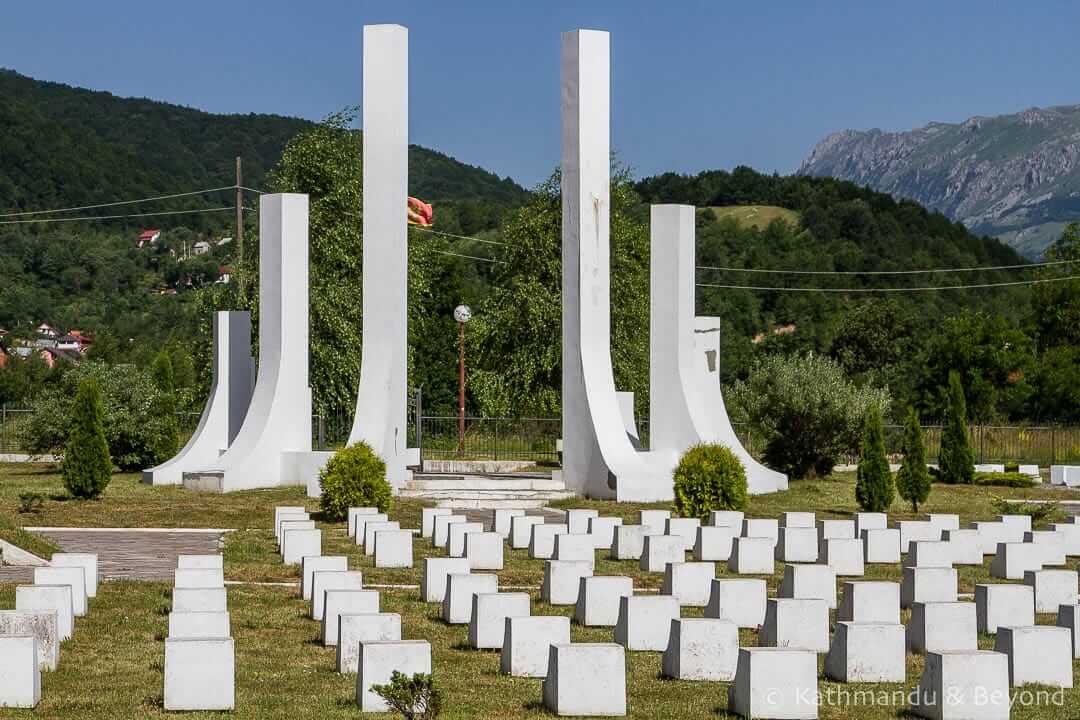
x: 241, y: 187
x: 88, y: 218
x: 118, y: 202
x: 884, y: 272
x: 891, y: 290
x: 459, y: 237
x: 469, y: 257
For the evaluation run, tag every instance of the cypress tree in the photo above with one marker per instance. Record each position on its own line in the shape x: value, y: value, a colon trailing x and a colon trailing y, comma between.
x: 957, y: 459
x: 913, y: 479
x: 87, y: 467
x: 161, y: 372
x: 874, y: 484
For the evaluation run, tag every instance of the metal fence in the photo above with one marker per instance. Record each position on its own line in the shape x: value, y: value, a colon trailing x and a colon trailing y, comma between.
x: 491, y: 438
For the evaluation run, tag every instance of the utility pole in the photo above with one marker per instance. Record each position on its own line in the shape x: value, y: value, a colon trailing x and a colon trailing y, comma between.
x: 239, y: 227
x: 462, y: 314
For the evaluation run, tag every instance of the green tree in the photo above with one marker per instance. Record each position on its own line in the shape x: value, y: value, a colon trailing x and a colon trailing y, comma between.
x: 168, y: 441
x: 874, y: 483
x: 913, y: 478
x: 86, y: 468
x: 957, y: 459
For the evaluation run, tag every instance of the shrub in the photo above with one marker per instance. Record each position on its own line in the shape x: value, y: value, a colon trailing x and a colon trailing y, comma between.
x: 957, y: 460
x: 913, y: 478
x: 87, y: 468
x: 1012, y: 467
x: 807, y: 410
x: 1042, y: 514
x: 354, y: 477
x: 31, y: 502
x: 1005, y: 479
x: 167, y: 442
x: 416, y: 697
x: 874, y: 483
x: 709, y: 477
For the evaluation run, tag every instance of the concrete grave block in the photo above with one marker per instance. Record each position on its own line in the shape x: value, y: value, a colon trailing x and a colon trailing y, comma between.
x: 965, y: 546
x: 917, y: 530
x: 1068, y: 475
x: 844, y: 555
x: 440, y: 529
x: 727, y: 518
x: 204, y: 562
x: 199, y: 600
x: 928, y: 585
x: 433, y: 578
x: 293, y: 522
x: 198, y: 577
x: 357, y: 628
x: 655, y: 519
x: 602, y: 531
x: 359, y: 525
x: 455, y: 544
x: 870, y: 601
x: 751, y: 556
x: 1031, y: 471
x: 354, y: 512
x: 371, y: 533
x: 1068, y: 616
x: 457, y: 602
x: 55, y: 598
x: 311, y: 564
x: 1038, y: 655
x: 866, y: 653
x: 1012, y: 560
x: 740, y: 600
x: 870, y: 521
x: 659, y: 550
x: 701, y: 649
x: 944, y: 521
x: 394, y: 549
x: 714, y: 543
x: 427, y: 520
x: 797, y: 544
x: 790, y: 623
x: 685, y: 528
x: 42, y: 625
x: 87, y: 561
x: 881, y: 546
x: 200, y: 674
x: 841, y: 529
x: 1052, y: 543
x: 797, y: 520
x: 598, y: 599
x: 502, y: 518
x: 1070, y: 532
x: 586, y: 679
x: 487, y: 621
x: 991, y: 534
x: 20, y: 673
x: 963, y: 684
x: 521, y: 530
x: 1053, y: 588
x: 377, y: 662
x: 323, y: 580
x: 998, y: 604
x: 574, y: 547
x: 1017, y: 525
x: 942, y: 627
x: 689, y: 582
x: 929, y: 553
x: 577, y: 520
x: 298, y: 544
x: 526, y: 643
x: 72, y: 576
x: 761, y: 528
x: 562, y: 579
x: 629, y: 541
x: 198, y: 625
x: 775, y: 683
x: 542, y: 542
x: 809, y: 582
x: 484, y: 550
x: 344, y: 602
x: 989, y: 467
x: 281, y: 510
x: 645, y: 621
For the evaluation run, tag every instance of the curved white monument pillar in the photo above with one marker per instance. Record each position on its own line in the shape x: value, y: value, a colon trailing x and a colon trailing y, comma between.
x: 230, y: 395
x: 380, y: 418
x: 598, y: 457
x: 277, y: 427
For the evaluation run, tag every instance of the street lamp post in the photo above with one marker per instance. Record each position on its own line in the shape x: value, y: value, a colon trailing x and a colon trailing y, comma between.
x: 462, y: 314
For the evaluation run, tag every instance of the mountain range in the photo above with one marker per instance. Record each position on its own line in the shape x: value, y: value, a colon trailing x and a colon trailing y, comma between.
x: 1015, y: 177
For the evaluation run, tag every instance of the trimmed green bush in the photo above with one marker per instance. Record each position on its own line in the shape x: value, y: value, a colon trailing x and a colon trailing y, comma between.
x: 1005, y: 479
x: 1042, y: 514
x: 87, y: 468
x: 874, y: 489
x: 957, y: 459
x: 913, y: 478
x: 709, y: 477
x: 416, y: 697
x: 167, y: 442
x: 354, y: 477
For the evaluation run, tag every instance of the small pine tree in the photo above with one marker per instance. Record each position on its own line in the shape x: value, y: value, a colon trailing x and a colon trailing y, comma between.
x: 87, y: 468
x: 957, y: 459
x: 874, y: 485
x: 167, y: 442
x: 913, y: 479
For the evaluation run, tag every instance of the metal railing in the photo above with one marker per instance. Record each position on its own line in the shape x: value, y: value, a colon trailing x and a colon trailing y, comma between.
x: 491, y: 438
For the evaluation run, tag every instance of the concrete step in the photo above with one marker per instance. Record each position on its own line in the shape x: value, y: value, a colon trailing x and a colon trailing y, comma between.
x: 502, y: 483
x: 466, y: 490
x: 488, y: 500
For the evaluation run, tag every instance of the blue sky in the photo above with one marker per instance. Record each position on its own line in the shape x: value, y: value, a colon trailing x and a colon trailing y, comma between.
x: 696, y: 85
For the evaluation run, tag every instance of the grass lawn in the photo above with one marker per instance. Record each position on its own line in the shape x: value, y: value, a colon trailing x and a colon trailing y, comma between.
x: 758, y: 216
x: 113, y: 665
